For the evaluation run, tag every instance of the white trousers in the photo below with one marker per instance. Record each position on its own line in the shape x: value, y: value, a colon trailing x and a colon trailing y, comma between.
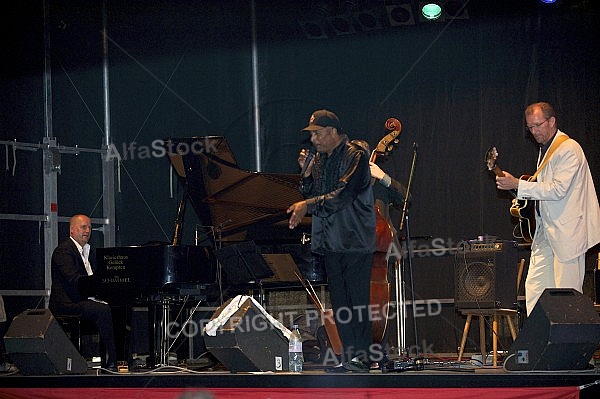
x: 546, y: 271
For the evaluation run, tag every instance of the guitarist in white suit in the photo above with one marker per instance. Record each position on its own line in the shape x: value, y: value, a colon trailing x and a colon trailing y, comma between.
x: 566, y: 209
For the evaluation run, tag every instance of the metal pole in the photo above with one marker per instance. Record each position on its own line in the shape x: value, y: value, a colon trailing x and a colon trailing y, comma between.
x: 255, y: 92
x: 108, y: 176
x: 47, y: 73
x: 48, y: 171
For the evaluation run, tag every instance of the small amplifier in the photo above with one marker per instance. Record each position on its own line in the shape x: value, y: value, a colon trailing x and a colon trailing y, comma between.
x: 485, y: 275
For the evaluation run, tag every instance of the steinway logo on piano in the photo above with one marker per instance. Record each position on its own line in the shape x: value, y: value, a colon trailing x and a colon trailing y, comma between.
x: 159, y: 148
x: 116, y: 280
x: 115, y: 262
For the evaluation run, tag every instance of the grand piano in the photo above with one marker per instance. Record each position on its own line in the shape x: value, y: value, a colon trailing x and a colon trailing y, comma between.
x: 237, y: 206
x: 246, y: 210
x: 240, y: 204
x: 245, y: 213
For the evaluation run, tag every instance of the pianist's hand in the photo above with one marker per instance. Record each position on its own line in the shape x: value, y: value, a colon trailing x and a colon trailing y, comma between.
x: 298, y: 210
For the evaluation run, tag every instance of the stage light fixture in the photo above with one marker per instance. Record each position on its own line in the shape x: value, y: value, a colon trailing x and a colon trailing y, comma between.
x: 455, y: 9
x: 368, y: 20
x: 341, y: 24
x: 431, y: 11
x: 313, y: 28
x: 548, y: 1
x: 313, y: 21
x: 442, y: 10
x: 400, y: 14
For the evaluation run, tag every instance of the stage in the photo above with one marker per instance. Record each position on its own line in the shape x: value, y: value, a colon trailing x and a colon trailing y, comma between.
x: 203, y: 368
x: 446, y: 380
x: 205, y: 371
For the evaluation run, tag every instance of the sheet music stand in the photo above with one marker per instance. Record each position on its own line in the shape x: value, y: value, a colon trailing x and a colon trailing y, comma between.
x: 283, y: 266
x: 243, y: 263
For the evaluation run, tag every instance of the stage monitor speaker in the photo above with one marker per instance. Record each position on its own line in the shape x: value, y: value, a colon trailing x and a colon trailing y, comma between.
x: 561, y: 333
x: 38, y: 346
x: 245, y: 338
x: 485, y: 275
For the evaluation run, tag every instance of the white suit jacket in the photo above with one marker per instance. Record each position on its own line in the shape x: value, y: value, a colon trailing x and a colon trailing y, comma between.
x: 568, y: 203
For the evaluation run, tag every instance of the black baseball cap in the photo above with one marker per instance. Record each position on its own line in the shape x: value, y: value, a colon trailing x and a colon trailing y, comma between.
x: 323, y: 118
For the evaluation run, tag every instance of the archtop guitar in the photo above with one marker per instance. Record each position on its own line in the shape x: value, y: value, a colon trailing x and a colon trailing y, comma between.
x: 523, y: 210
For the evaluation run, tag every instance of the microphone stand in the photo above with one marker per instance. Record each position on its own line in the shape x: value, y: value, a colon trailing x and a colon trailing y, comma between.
x: 401, y: 291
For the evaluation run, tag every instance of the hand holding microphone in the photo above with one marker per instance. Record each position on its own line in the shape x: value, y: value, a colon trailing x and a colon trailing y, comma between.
x: 306, y: 160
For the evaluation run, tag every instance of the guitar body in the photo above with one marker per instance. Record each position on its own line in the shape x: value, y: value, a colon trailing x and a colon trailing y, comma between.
x: 524, y: 210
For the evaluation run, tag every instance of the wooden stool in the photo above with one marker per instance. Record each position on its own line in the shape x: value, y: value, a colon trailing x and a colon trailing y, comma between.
x: 482, y: 314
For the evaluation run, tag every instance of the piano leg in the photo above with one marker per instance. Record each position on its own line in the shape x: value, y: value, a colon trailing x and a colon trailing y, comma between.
x: 155, y: 318
x: 158, y: 325
x: 165, y: 339
x: 164, y: 331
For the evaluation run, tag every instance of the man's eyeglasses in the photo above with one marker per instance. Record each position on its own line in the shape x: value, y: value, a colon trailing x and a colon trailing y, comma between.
x: 533, y: 126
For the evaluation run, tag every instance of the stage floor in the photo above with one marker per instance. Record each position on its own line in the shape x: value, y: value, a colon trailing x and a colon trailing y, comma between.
x: 441, y: 380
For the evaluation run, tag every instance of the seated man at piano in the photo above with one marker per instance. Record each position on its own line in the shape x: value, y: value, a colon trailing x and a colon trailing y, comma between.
x: 72, y: 281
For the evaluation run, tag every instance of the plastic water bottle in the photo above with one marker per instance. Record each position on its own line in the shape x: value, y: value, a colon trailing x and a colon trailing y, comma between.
x: 295, y: 351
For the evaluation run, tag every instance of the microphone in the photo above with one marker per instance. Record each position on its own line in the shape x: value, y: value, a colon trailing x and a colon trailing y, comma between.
x: 307, y: 161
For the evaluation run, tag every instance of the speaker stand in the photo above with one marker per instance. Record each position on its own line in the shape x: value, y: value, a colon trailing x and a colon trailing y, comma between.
x: 496, y: 315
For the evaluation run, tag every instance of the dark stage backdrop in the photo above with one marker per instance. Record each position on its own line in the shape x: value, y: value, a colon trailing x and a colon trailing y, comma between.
x: 184, y: 68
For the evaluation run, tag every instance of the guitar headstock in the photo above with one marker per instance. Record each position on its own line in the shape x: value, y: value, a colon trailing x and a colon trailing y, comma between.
x: 490, y: 158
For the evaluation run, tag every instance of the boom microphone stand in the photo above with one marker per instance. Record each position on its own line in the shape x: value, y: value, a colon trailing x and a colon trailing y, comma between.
x: 400, y: 283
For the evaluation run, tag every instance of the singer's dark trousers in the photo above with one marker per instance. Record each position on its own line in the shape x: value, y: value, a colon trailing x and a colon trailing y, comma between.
x: 349, y: 279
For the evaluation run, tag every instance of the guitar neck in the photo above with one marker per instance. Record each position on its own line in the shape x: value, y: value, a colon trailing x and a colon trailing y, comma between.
x: 498, y: 172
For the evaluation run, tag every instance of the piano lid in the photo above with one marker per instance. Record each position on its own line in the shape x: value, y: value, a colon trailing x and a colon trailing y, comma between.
x: 222, y: 194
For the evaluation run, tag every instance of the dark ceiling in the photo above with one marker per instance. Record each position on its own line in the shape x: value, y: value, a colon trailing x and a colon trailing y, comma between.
x: 153, y: 28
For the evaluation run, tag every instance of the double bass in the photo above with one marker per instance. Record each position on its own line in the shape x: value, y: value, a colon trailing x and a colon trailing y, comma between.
x: 385, y: 236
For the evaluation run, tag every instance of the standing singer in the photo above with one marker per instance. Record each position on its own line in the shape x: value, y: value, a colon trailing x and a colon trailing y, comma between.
x: 336, y: 185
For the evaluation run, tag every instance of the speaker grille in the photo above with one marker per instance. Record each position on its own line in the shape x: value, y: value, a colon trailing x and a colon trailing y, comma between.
x: 478, y: 279
x: 485, y: 276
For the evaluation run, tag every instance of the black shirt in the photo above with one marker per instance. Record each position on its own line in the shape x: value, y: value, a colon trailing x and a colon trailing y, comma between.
x: 340, y: 199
